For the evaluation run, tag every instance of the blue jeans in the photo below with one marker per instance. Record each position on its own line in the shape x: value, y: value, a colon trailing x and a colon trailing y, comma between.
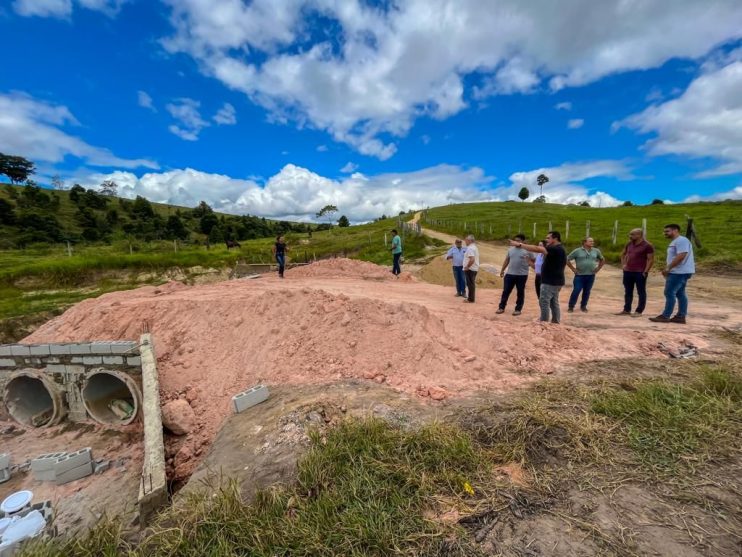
x: 458, y: 277
x: 630, y: 280
x: 675, y: 288
x: 519, y: 283
x: 281, y: 260
x: 584, y: 284
x: 396, y: 269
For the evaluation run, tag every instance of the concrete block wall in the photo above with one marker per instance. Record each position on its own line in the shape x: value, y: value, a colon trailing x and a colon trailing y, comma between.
x: 67, y: 364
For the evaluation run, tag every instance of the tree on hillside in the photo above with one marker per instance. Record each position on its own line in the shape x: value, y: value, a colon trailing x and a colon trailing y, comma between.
x: 523, y: 194
x: 175, y: 229
x: 540, y: 199
x: 585, y: 203
x: 75, y: 192
x: 207, y: 222
x: 627, y: 204
x: 343, y: 222
x: 541, y: 180
x: 201, y: 210
x: 16, y: 168
x: 142, y: 208
x: 7, y: 216
x: 109, y: 188
x: 657, y: 202
x: 327, y: 211
x: 57, y: 182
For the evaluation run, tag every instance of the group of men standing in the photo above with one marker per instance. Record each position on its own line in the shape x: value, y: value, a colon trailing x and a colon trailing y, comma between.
x: 549, y: 259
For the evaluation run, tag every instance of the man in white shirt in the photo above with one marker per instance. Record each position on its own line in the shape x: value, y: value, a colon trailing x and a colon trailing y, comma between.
x: 455, y: 255
x: 471, y: 267
x: 680, y: 268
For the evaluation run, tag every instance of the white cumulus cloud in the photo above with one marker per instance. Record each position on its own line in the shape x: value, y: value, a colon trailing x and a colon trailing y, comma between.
x: 563, y: 106
x: 349, y: 168
x: 575, y: 123
x: 64, y: 8
x: 388, y: 65
x: 36, y: 129
x: 145, y: 101
x: 189, y: 122
x: 226, y: 115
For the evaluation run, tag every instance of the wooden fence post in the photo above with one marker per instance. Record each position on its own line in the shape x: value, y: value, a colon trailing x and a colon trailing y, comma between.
x: 587, y: 229
x: 69, y: 249
x: 534, y: 230
x: 566, y: 233
x: 615, y: 232
x: 644, y: 228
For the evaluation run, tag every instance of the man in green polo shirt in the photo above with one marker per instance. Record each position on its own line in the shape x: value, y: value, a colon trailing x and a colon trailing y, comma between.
x: 585, y: 262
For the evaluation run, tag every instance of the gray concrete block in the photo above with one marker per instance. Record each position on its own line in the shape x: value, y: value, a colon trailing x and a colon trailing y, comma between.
x: 75, y: 473
x: 101, y: 466
x: 6, y: 350
x: 247, y: 399
x: 92, y: 360
x: 76, y: 359
x: 45, y: 461
x: 124, y: 347
x: 56, y: 368
x: 5, y: 460
x: 39, y: 350
x: 98, y: 347
x: 52, y: 360
x: 134, y: 361
x: 59, y: 349
x: 81, y: 348
x: 4, y: 475
x: 113, y: 360
x: 74, y: 369
x: 33, y: 360
x: 20, y: 350
x: 7, y: 362
x: 44, y: 475
x: 72, y: 460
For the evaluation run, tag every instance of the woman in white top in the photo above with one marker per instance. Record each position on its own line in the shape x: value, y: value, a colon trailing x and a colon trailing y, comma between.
x: 536, y: 264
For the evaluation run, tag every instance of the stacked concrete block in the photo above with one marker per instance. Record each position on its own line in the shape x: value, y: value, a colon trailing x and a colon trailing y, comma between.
x: 42, y: 467
x: 73, y: 466
x: 249, y: 398
x: 4, y: 467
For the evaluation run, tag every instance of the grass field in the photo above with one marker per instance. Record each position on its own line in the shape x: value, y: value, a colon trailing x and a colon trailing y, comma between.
x: 46, y: 278
x: 718, y: 225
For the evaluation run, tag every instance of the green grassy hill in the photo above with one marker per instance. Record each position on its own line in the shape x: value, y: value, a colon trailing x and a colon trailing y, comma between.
x: 718, y: 225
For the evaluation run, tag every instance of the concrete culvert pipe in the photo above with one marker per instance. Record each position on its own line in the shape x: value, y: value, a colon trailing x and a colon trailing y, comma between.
x: 111, y: 397
x: 33, y: 399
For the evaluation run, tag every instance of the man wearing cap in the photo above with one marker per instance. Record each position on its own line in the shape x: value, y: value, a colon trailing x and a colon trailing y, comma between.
x: 455, y: 255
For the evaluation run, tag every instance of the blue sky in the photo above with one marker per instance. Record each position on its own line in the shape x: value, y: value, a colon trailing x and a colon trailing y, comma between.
x: 280, y: 107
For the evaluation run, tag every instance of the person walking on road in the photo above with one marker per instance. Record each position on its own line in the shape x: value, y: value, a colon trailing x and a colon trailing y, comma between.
x: 552, y: 273
x: 681, y: 266
x: 455, y: 255
x: 588, y: 261
x: 471, y: 267
x: 637, y: 259
x: 396, y: 253
x: 516, y: 263
x: 279, y: 252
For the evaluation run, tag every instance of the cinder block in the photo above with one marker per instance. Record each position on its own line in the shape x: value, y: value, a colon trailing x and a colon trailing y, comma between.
x: 56, y: 368
x: 5, y: 460
x: 7, y: 362
x: 113, y: 360
x: 32, y: 360
x: 75, y: 473
x: 134, y: 361
x: 92, y: 360
x: 45, y: 461
x: 39, y: 350
x: 4, y: 475
x: 72, y: 460
x: 100, y: 347
x: 20, y: 350
x: 59, y: 349
x: 247, y: 399
x: 76, y: 359
x: 6, y: 350
x: 52, y: 360
x: 124, y: 347
x: 74, y: 369
x: 82, y: 348
x: 44, y: 475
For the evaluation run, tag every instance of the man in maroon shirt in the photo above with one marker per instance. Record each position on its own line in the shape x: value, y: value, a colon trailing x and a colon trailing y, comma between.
x: 637, y: 259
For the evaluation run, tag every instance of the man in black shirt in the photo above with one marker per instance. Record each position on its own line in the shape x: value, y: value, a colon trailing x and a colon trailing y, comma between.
x: 552, y: 273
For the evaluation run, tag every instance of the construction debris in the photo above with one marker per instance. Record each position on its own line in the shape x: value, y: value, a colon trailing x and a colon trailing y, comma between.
x: 4, y: 467
x: 686, y: 350
x: 251, y: 397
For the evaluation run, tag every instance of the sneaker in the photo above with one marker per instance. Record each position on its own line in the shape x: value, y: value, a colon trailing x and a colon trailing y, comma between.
x: 678, y: 319
x: 636, y: 314
x: 624, y: 313
x: 468, y: 301
x: 500, y: 310
x: 583, y: 310
x: 516, y: 312
x: 570, y: 310
x: 660, y: 319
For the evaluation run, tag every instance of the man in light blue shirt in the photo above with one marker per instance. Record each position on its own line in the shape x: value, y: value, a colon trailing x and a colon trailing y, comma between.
x: 455, y: 255
x: 681, y: 266
x: 396, y: 253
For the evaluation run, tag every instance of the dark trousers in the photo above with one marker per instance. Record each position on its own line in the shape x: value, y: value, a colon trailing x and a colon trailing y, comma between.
x: 458, y: 277
x: 633, y: 279
x: 519, y: 283
x: 537, y: 283
x: 584, y: 284
x: 471, y: 277
x: 281, y: 260
x: 396, y: 269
